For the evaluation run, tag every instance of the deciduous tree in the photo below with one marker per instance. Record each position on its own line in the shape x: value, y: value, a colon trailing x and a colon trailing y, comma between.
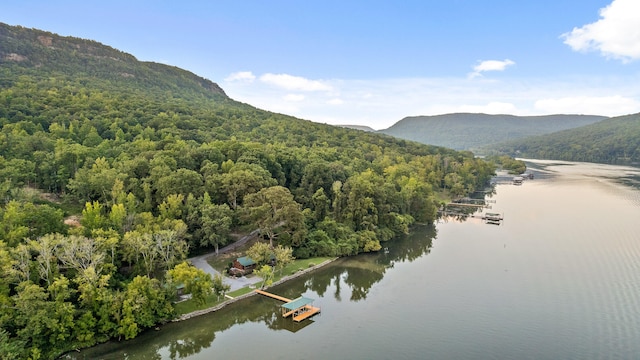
x: 275, y: 211
x: 196, y: 282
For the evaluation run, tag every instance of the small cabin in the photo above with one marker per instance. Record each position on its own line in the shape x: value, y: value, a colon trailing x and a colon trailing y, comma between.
x: 244, y: 263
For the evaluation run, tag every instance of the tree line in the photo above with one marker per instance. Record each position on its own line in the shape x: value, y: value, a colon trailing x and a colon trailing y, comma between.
x: 611, y: 141
x: 108, y: 183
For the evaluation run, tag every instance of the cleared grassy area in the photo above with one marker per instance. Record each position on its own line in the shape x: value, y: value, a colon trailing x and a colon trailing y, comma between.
x: 240, y: 292
x: 187, y: 306
x: 299, y: 265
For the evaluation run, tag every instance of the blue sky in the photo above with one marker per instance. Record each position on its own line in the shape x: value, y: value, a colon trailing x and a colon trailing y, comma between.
x: 374, y: 62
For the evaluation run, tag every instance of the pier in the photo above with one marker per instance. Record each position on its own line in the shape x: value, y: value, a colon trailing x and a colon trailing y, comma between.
x: 299, y: 309
x: 492, y: 217
x: 274, y: 296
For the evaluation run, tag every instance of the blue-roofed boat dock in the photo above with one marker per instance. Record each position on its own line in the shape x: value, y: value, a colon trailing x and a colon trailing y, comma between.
x: 299, y: 309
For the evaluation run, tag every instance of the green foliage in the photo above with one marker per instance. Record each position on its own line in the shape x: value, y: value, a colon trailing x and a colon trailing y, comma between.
x: 474, y: 131
x: 613, y: 141
x: 216, y: 225
x: 275, y: 212
x: 266, y: 273
x: 144, y: 302
x: 260, y: 252
x: 10, y: 349
x: 24, y: 219
x: 219, y: 287
x: 156, y: 161
x: 283, y: 256
x: 508, y: 163
x: 196, y: 282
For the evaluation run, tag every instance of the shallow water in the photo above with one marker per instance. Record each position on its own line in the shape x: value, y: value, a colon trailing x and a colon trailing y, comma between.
x: 558, y: 279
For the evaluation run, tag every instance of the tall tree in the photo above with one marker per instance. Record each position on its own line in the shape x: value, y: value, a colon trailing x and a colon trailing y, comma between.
x: 145, y: 303
x: 275, y: 212
x: 283, y: 255
x: 243, y: 179
x: 260, y: 252
x: 196, y: 282
x: 47, y: 262
x: 216, y: 225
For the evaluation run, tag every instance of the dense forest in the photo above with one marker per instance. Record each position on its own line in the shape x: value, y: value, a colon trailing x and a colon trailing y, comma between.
x: 612, y: 141
x: 112, y: 171
x: 473, y: 132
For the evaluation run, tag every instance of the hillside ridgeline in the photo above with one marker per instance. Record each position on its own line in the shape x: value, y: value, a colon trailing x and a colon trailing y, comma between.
x: 463, y: 131
x: 611, y: 141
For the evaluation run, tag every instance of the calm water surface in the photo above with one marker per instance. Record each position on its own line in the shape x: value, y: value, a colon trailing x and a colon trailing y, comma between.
x: 558, y: 279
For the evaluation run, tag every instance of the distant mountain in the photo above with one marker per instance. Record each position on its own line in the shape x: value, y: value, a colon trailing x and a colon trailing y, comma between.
x: 464, y: 131
x: 614, y: 141
x: 358, y: 127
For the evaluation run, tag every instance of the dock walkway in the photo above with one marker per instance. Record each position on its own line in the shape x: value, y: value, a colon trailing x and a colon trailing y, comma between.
x: 274, y: 296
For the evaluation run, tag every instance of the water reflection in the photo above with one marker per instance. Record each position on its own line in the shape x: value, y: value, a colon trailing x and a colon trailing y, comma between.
x: 351, y: 277
x: 360, y: 273
x: 566, y: 286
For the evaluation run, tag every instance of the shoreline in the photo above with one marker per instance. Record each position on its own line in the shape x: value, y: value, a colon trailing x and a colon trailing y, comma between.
x: 197, y: 313
x: 252, y: 293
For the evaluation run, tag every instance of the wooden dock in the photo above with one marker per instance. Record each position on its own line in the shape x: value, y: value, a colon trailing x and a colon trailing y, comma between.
x: 299, y: 309
x: 274, y: 296
x: 308, y: 312
x: 493, y: 217
x: 467, y: 205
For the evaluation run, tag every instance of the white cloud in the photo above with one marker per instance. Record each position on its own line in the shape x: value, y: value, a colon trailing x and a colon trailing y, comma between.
x: 290, y: 82
x: 616, y: 34
x: 598, y: 105
x: 293, y: 97
x: 246, y: 76
x: 490, y: 65
x: 379, y: 103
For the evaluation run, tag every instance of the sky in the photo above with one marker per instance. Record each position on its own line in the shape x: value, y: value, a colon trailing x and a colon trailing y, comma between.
x: 372, y: 63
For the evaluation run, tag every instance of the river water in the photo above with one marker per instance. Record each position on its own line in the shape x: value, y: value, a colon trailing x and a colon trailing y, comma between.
x: 559, y: 278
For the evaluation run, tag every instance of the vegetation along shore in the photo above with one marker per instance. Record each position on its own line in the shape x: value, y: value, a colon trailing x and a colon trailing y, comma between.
x: 113, y: 171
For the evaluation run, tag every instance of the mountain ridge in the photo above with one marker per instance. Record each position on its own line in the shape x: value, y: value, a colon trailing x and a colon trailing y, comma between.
x: 47, y: 48
x: 614, y: 141
x: 472, y: 131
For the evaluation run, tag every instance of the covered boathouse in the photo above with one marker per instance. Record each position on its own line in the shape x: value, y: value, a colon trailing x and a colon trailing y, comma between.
x: 300, y: 308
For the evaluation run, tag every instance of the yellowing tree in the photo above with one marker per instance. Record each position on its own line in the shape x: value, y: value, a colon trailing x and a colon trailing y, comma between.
x: 196, y: 282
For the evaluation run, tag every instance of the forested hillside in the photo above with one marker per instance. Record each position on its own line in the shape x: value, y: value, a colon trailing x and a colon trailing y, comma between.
x: 612, y: 141
x: 113, y: 170
x: 474, y: 131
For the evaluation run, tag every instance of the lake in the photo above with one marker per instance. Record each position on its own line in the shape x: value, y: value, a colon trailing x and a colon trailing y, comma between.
x: 559, y: 278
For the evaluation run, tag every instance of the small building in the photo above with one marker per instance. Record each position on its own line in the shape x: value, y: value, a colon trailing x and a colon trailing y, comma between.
x: 244, y: 263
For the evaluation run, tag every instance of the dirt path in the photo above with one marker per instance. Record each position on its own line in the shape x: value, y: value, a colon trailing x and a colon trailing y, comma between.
x: 236, y: 244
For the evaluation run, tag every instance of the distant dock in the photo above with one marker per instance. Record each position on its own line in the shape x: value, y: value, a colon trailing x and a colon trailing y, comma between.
x: 492, y: 217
